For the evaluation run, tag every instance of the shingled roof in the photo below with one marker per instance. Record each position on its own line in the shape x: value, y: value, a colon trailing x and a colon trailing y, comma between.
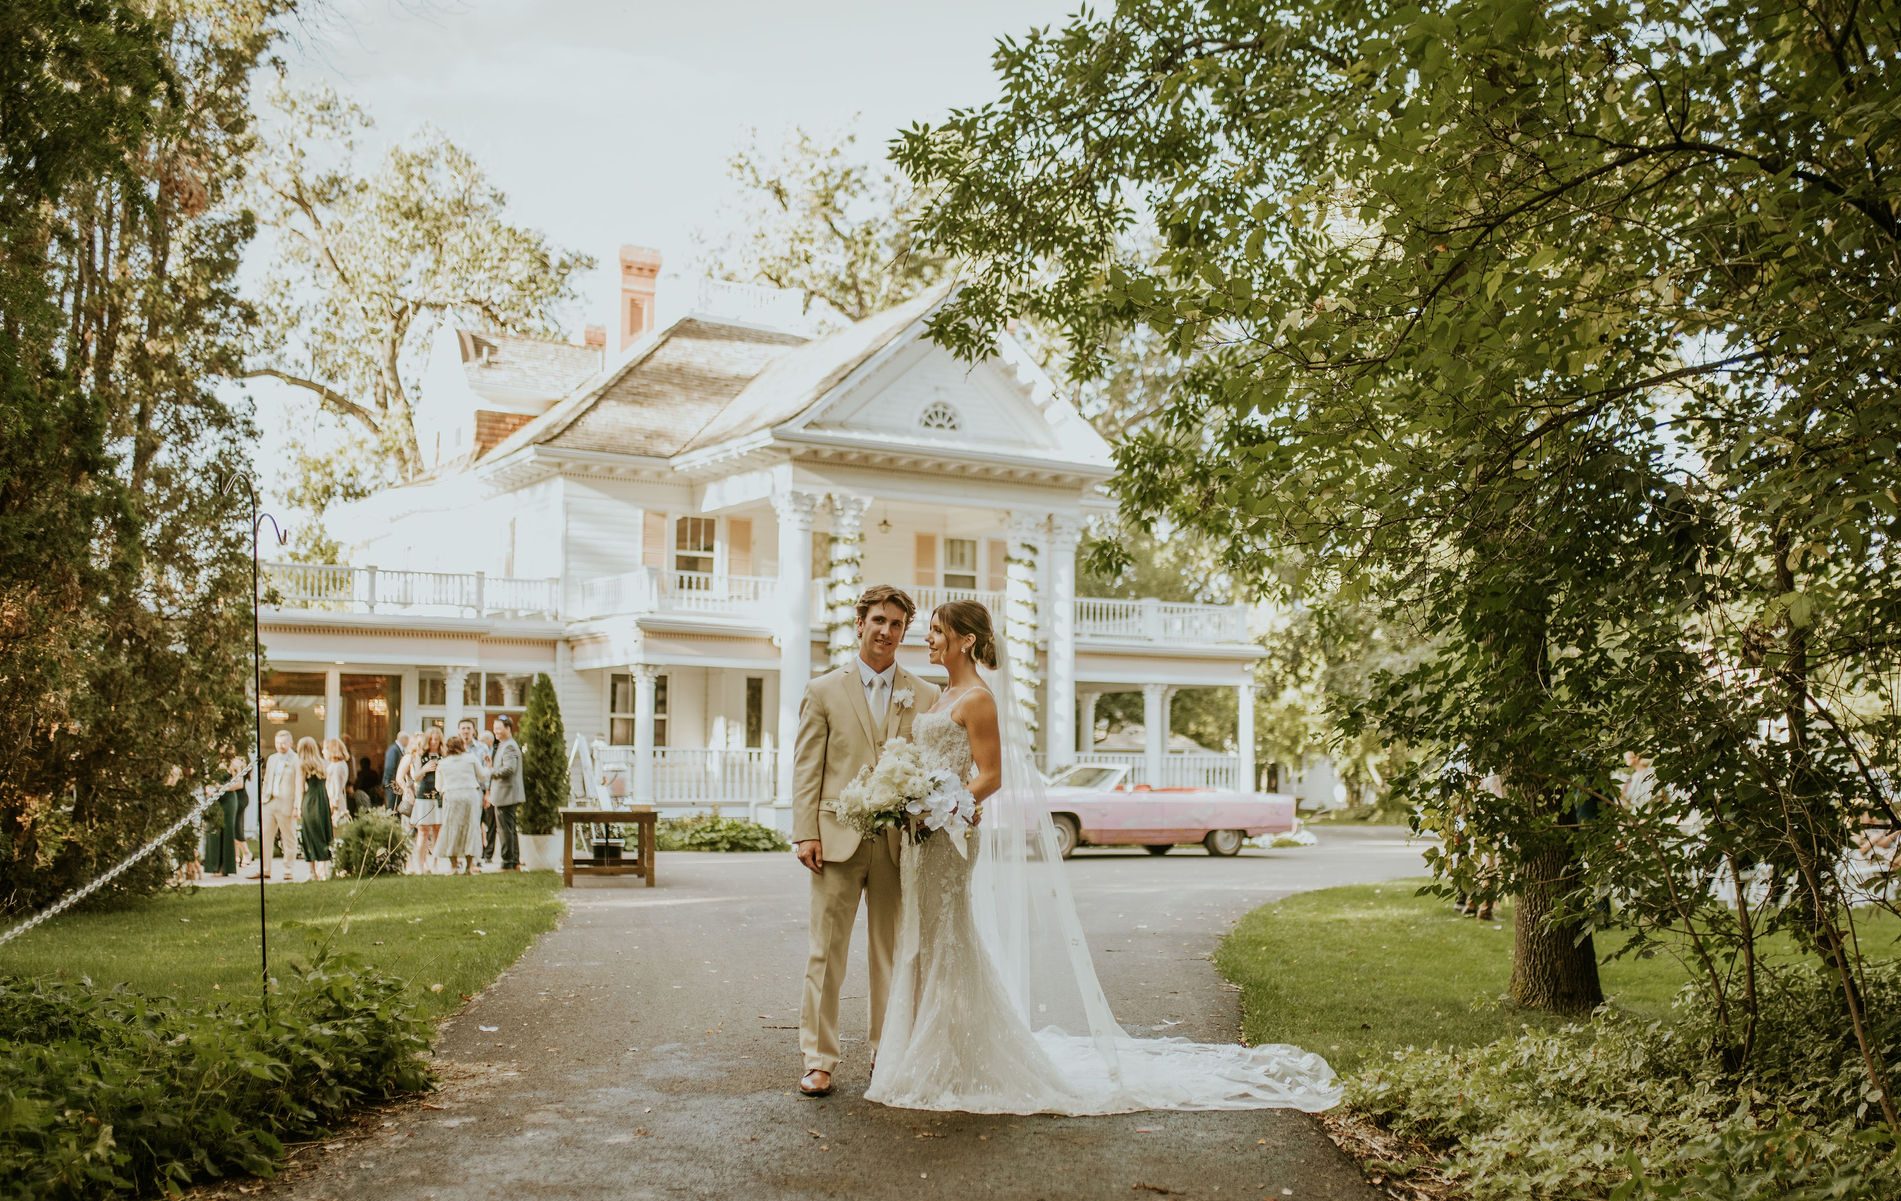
x: 525, y: 367
x: 653, y: 404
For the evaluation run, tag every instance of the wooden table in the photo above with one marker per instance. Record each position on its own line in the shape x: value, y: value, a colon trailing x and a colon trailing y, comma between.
x: 641, y: 817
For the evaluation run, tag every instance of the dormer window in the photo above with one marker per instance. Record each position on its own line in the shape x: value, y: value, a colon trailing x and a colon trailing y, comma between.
x: 940, y: 415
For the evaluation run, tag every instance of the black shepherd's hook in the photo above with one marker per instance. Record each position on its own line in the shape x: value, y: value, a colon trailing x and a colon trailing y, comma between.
x: 225, y: 487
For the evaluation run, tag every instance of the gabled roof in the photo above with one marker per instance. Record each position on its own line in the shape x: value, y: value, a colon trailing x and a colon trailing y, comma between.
x: 665, y: 392
x: 795, y: 381
x: 705, y: 382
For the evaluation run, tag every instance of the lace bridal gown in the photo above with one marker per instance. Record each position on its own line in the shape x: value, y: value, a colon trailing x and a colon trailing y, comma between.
x: 984, y: 944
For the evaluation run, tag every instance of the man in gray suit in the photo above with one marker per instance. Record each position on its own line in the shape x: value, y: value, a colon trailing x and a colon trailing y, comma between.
x: 505, y: 791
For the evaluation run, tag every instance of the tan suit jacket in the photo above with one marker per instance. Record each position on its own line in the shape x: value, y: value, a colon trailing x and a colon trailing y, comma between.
x: 838, y: 739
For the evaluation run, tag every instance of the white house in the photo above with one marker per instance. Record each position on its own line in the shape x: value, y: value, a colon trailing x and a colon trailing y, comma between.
x: 675, y: 529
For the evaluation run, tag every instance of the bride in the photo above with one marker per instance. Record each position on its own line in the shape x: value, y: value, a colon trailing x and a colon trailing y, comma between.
x: 995, y: 1006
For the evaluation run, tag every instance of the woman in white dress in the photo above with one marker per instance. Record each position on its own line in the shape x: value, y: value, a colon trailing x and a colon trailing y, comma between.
x: 995, y: 1006
x: 460, y: 777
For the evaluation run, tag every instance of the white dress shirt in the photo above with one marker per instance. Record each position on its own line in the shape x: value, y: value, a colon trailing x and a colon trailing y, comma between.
x: 877, y: 685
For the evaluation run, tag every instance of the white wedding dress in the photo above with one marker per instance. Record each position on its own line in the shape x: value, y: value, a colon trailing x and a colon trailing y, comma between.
x: 959, y: 1032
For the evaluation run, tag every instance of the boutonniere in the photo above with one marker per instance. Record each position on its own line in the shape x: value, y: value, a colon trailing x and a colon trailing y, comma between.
x: 904, y: 697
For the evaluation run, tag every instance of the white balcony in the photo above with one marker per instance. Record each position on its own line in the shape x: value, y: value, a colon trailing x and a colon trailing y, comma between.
x: 650, y: 590
x: 331, y: 588
x: 1153, y: 622
x: 342, y: 589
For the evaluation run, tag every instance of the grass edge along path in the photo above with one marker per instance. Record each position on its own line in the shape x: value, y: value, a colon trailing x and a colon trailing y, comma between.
x: 1361, y: 972
x: 448, y: 937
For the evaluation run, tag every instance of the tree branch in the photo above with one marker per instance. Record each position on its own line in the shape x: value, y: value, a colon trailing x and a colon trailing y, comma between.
x: 333, y: 400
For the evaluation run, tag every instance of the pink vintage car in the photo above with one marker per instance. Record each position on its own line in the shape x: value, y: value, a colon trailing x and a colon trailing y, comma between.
x: 1093, y: 805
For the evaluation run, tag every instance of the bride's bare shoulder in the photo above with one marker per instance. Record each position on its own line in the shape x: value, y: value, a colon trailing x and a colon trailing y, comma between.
x: 975, y: 706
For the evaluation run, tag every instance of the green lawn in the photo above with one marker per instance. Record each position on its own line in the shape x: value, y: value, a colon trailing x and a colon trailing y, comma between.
x: 1356, y: 971
x: 456, y: 932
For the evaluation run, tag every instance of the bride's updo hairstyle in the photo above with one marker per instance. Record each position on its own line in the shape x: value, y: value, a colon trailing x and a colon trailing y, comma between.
x: 968, y: 618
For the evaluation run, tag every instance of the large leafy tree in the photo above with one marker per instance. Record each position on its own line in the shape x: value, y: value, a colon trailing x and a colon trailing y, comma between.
x: 1568, y: 326
x: 368, y: 263
x: 123, y: 640
x: 817, y: 215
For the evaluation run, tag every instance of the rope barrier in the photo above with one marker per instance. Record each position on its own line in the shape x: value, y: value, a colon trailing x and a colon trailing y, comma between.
x: 85, y: 890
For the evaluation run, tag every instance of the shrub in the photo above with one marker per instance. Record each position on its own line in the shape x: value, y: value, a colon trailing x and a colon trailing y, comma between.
x: 1642, y: 1110
x: 544, y: 759
x: 110, y: 1093
x: 372, y: 844
x: 710, y: 832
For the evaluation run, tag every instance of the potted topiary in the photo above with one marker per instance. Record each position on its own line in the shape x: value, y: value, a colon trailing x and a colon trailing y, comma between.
x: 544, y: 777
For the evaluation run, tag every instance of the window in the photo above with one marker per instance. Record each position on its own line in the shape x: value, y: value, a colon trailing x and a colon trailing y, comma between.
x: 432, y: 689
x: 755, y: 711
x: 939, y: 415
x: 960, y: 563
x: 622, y: 714
x: 693, y: 544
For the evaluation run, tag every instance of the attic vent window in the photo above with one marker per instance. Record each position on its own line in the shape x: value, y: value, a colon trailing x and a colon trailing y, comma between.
x: 938, y: 415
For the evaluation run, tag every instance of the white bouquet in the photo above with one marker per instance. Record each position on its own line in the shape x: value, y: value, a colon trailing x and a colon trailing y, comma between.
x: 901, y: 791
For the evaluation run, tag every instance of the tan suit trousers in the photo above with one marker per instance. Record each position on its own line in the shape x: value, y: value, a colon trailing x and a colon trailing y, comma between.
x: 278, y: 819
x: 871, y: 872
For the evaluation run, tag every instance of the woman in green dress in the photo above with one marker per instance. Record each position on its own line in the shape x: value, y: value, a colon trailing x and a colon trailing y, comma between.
x: 221, y: 823
x: 314, y: 829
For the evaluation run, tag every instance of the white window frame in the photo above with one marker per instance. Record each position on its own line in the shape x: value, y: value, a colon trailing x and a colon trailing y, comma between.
x: 711, y: 554
x: 630, y: 716
x: 976, y: 564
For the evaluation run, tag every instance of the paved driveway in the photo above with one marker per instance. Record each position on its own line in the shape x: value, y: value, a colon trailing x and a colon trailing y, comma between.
x: 648, y: 1049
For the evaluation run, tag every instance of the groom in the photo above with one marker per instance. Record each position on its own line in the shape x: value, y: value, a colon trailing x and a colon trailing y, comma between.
x: 844, y: 721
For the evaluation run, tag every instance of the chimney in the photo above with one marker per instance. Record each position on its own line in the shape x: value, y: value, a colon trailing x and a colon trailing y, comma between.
x: 639, y: 268
x: 594, y: 337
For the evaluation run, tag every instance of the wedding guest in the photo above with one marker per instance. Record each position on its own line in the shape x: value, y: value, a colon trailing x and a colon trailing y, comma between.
x: 278, y: 799
x: 505, y: 791
x: 336, y: 778
x: 466, y: 730
x: 315, y: 827
x: 392, y: 758
x: 425, y: 752
x: 460, y: 777
x: 222, y: 820
x: 369, y: 785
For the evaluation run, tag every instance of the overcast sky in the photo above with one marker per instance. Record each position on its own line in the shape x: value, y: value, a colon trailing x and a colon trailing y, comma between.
x: 610, y: 122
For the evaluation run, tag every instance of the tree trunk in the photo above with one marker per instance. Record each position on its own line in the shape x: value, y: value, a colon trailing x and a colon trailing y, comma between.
x: 1554, y: 964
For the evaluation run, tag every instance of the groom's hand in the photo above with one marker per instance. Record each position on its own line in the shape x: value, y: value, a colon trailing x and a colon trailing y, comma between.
x: 810, y: 854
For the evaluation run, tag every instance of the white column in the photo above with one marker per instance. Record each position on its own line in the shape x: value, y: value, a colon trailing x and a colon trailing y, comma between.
x: 1021, y: 615
x: 1086, y: 725
x: 1059, y: 734
x: 795, y: 511
x: 1154, y: 731
x: 332, y: 703
x: 454, y: 679
x: 645, y: 675
x: 843, y: 588
x: 1244, y: 738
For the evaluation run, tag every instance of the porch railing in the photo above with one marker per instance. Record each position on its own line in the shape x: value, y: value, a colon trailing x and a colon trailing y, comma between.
x: 694, y: 776
x: 650, y: 590
x: 339, y: 588
x: 1180, y: 769
x: 1151, y: 620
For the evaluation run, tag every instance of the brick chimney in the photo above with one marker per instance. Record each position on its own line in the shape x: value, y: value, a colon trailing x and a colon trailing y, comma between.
x: 594, y: 337
x: 639, y: 269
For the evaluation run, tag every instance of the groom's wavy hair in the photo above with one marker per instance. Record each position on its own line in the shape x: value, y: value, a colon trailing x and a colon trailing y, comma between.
x: 885, y: 594
x: 969, y: 617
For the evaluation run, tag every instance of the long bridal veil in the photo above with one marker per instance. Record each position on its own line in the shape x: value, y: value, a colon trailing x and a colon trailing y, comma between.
x: 1028, y: 923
